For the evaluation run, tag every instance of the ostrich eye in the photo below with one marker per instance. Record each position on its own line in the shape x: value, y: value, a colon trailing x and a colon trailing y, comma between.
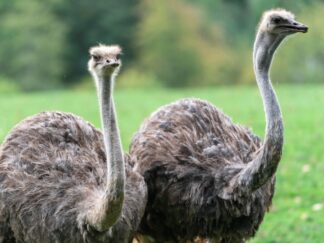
x: 118, y: 56
x: 276, y: 20
x: 95, y: 57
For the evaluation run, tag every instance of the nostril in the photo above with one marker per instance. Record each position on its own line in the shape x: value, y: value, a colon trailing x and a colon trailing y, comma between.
x: 107, y: 61
x: 295, y: 23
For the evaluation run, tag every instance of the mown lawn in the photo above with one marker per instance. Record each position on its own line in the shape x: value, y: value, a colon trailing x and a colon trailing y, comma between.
x: 297, y: 214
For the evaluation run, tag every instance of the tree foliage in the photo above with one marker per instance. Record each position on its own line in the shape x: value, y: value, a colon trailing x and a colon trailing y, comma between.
x: 31, y: 43
x: 44, y: 44
x: 179, y: 46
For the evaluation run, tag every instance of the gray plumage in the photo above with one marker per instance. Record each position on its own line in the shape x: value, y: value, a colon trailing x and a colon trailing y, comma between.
x: 208, y: 177
x: 54, y: 183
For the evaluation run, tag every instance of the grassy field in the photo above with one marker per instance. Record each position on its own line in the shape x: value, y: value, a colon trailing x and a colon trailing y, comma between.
x: 297, y: 214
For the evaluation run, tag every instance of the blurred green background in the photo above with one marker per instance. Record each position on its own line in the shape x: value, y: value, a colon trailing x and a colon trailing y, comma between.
x: 174, y: 49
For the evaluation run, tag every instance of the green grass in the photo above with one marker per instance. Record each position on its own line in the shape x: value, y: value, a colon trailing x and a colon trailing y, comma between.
x: 300, y: 183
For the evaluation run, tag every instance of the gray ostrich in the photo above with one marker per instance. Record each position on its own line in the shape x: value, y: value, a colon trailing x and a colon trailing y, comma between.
x: 208, y: 177
x: 61, y: 180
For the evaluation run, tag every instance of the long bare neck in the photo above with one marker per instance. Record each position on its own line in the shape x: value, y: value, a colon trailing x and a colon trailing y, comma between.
x: 109, y: 209
x: 263, y: 167
x: 264, y: 49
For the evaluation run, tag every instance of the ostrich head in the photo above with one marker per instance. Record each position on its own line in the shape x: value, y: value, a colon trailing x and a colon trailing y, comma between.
x: 280, y: 22
x: 105, y: 60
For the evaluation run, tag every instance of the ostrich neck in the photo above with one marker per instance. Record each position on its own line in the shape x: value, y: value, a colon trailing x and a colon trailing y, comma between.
x: 263, y: 167
x: 108, y: 211
x: 115, y: 162
x: 264, y: 49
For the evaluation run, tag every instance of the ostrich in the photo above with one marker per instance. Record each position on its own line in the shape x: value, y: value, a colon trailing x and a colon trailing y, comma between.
x: 208, y: 177
x: 61, y: 180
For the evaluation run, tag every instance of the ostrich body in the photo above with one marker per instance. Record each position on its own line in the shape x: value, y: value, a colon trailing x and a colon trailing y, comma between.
x: 208, y: 177
x: 62, y: 180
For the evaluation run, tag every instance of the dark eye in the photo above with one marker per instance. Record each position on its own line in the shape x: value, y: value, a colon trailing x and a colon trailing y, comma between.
x: 118, y: 56
x: 276, y: 20
x: 95, y: 57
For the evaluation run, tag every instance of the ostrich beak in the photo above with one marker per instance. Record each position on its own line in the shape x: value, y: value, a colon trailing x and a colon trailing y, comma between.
x: 115, y: 64
x: 295, y: 27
